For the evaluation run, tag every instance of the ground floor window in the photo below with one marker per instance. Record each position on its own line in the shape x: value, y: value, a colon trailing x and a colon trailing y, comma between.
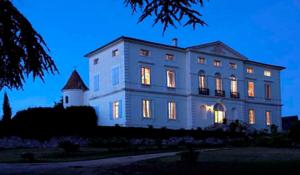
x: 116, y: 109
x: 146, y: 108
x: 268, y: 118
x: 219, y: 113
x: 251, y: 116
x: 172, y: 110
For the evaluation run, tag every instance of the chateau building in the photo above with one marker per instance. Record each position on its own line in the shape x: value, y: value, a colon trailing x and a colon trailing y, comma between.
x: 139, y: 83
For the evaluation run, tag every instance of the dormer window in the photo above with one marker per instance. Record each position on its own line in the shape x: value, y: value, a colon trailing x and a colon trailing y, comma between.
x: 201, y: 60
x: 96, y: 61
x: 144, y: 53
x: 169, y: 57
x: 115, y: 52
x: 217, y: 63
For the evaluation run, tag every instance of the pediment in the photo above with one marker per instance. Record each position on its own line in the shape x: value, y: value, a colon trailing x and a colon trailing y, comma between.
x: 218, y: 48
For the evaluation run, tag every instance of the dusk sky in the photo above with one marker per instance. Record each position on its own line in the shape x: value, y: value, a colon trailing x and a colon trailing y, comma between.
x: 263, y: 30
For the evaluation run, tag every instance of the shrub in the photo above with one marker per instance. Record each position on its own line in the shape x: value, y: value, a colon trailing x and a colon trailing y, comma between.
x: 68, y: 146
x: 28, y: 156
x: 274, y: 129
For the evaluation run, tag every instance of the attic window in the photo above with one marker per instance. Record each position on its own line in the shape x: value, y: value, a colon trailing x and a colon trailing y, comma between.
x: 217, y: 63
x: 233, y: 65
x: 115, y: 52
x: 96, y: 61
x: 201, y: 60
x: 169, y: 57
x: 144, y: 52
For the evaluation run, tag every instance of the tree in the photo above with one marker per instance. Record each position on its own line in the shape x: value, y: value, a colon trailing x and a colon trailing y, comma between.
x: 22, y: 50
x: 168, y: 12
x: 6, y: 109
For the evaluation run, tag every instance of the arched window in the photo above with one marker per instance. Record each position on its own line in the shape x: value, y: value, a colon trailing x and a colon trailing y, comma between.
x: 219, y: 113
x: 218, y: 80
x: 202, y: 80
x: 233, y: 84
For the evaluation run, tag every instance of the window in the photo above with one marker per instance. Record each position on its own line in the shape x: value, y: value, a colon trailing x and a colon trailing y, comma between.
x: 251, y: 116
x: 217, y: 63
x: 171, y: 79
x: 267, y: 73
x: 250, y: 89
x: 218, y: 80
x: 219, y: 113
x: 115, y: 52
x: 233, y: 84
x: 96, y: 61
x: 268, y: 91
x: 172, y: 110
x: 146, y: 75
x: 146, y: 108
x: 96, y: 83
x: 66, y: 99
x: 169, y: 57
x: 249, y: 70
x: 268, y: 118
x: 115, y: 76
x: 144, y: 52
x: 202, y: 80
x: 233, y: 65
x: 116, y: 108
x: 201, y: 60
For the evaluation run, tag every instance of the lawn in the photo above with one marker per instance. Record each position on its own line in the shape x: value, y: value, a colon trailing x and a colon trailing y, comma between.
x: 231, y: 161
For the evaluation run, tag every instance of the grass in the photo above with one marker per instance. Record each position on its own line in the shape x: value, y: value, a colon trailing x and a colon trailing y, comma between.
x: 232, y: 161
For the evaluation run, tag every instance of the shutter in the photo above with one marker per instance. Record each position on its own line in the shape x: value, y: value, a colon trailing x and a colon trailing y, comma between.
x: 120, y: 108
x: 117, y: 76
x: 111, y: 110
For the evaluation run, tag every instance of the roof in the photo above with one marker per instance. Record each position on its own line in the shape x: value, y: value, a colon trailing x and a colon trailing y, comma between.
x: 75, y: 82
x: 125, y: 38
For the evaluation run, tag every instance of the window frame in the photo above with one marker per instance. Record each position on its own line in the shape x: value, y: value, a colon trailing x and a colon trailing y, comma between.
x: 148, y: 106
x: 169, y: 84
x: 250, y: 70
x: 268, y: 118
x: 143, y: 51
x: 116, y: 109
x: 172, y: 114
x: 143, y: 75
x: 268, y: 92
x: 217, y: 63
x: 168, y: 56
x: 248, y: 89
x: 233, y: 65
x: 95, y: 61
x: 201, y: 58
x: 267, y: 73
x: 115, y: 53
x: 233, y: 83
x: 251, y: 119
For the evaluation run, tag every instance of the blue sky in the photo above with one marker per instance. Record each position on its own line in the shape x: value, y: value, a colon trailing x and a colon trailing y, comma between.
x: 263, y: 30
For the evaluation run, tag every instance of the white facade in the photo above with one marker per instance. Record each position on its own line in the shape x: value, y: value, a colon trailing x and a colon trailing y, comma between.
x: 117, y: 91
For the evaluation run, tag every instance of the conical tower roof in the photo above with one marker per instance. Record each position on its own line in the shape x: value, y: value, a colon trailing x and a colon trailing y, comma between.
x: 75, y: 82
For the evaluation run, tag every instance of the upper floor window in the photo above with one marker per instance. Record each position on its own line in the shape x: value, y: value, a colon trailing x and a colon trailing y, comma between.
x: 146, y: 75
x: 116, y: 109
x: 115, y: 76
x: 172, y: 110
x: 268, y: 118
x: 96, y: 60
x: 233, y: 65
x: 146, y: 108
x: 268, y: 91
x: 217, y: 63
x: 171, y: 79
x: 144, y: 52
x: 251, y: 89
x: 96, y: 83
x: 250, y: 70
x: 169, y: 57
x: 201, y: 60
x: 267, y: 73
x: 233, y: 84
x: 115, y: 52
x: 202, y: 80
x: 218, y: 80
x: 251, y: 116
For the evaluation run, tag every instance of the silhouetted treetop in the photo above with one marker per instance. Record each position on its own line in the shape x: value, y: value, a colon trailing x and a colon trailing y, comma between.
x: 168, y: 12
x: 22, y: 50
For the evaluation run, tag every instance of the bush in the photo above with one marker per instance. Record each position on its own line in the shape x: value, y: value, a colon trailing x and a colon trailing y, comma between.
x: 28, y: 156
x: 68, y: 146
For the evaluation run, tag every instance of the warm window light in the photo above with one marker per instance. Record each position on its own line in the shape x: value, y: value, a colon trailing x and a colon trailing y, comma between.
x: 217, y: 63
x: 169, y: 57
x: 171, y: 79
x: 144, y: 52
x: 145, y: 75
x: 116, y: 110
x: 267, y: 73
x: 268, y: 118
x: 251, y: 116
x: 249, y: 70
x: 172, y: 110
x: 146, y: 109
x: 251, y: 89
x: 209, y: 108
x: 201, y: 60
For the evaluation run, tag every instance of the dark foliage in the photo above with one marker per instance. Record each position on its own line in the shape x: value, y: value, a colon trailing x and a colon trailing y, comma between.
x: 168, y: 12
x: 294, y: 132
x: 68, y: 146
x: 22, y: 50
x: 6, y: 109
x: 189, y: 156
x: 28, y: 157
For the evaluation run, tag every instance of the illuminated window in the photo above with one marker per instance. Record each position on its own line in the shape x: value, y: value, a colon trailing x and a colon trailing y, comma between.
x: 172, y: 110
x: 115, y: 52
x: 201, y: 60
x: 249, y: 70
x: 202, y: 80
x: 218, y: 80
x: 144, y: 52
x: 251, y: 116
x: 171, y: 79
x: 146, y: 75
x: 219, y: 113
x: 146, y: 108
x: 169, y: 57
x: 267, y: 73
x: 268, y: 91
x: 116, y: 108
x: 233, y: 84
x: 250, y: 88
x: 96, y: 61
x: 268, y: 118
x: 217, y: 63
x: 232, y: 65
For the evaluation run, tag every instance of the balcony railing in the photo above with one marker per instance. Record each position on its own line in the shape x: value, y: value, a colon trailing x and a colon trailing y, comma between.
x: 234, y: 95
x: 203, y: 91
x: 219, y: 93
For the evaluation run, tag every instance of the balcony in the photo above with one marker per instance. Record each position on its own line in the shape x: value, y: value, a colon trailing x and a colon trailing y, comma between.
x: 203, y: 91
x: 234, y: 95
x: 219, y: 93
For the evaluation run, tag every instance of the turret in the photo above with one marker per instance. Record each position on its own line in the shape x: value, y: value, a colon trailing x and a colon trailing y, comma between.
x: 74, y: 91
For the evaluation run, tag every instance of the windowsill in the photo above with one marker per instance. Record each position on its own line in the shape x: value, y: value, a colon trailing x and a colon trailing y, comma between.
x: 268, y: 99
x: 146, y: 85
x: 171, y: 88
x: 251, y: 97
x: 146, y: 118
x: 170, y: 119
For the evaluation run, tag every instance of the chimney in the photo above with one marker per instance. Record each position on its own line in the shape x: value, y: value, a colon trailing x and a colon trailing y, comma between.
x: 175, y: 42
